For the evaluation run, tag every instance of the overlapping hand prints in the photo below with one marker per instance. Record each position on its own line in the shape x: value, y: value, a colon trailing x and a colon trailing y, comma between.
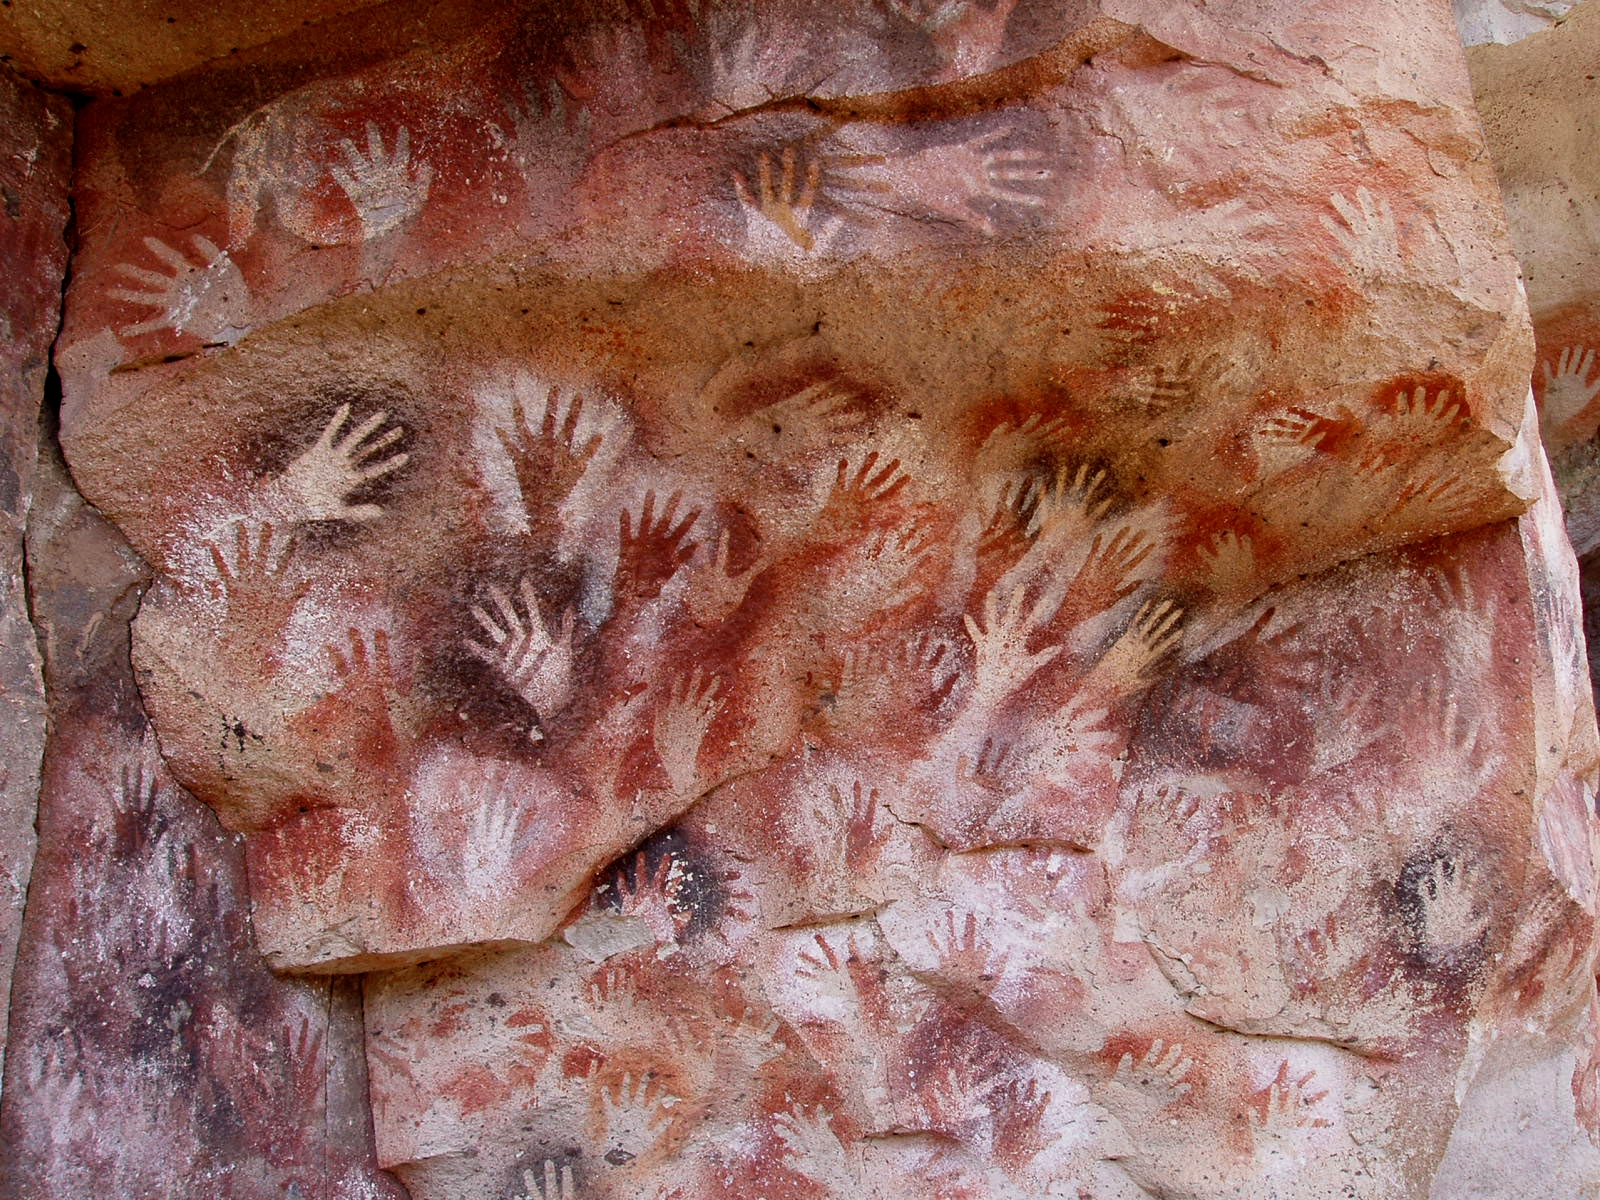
x: 893, y: 622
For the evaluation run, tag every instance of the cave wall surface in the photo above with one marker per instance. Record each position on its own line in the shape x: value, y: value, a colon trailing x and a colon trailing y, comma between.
x: 1502, y: 22
x: 149, y: 1050
x: 694, y: 599
x: 115, y: 47
x: 1540, y: 102
x: 35, y: 160
x: 152, y: 1052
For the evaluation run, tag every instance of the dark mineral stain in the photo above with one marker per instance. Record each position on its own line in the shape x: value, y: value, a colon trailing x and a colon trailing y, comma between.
x: 1448, y: 951
x: 701, y: 894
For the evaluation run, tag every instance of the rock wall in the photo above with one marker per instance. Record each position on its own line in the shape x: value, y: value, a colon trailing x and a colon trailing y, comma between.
x: 1501, y: 22
x: 152, y: 1053
x: 35, y: 154
x: 896, y: 599
x: 1541, y: 103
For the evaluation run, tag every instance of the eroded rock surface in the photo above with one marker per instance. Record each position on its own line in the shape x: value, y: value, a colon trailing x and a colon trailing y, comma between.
x: 1541, y: 110
x: 1540, y: 105
x: 152, y: 1053
x: 35, y: 156
x: 884, y: 600
x: 87, y: 46
x: 1502, y: 22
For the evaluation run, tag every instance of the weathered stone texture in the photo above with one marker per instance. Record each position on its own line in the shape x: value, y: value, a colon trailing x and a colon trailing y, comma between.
x: 890, y: 599
x: 1540, y: 101
x: 152, y: 1053
x: 35, y: 158
x: 1506, y: 21
x: 1541, y: 112
x: 100, y: 47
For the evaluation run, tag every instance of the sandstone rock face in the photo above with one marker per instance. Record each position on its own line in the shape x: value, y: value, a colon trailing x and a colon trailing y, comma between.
x: 1541, y: 109
x: 152, y: 1053
x: 147, y: 1050
x: 35, y: 154
x: 1539, y: 112
x: 100, y: 48
x: 894, y: 599
x: 1505, y: 21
